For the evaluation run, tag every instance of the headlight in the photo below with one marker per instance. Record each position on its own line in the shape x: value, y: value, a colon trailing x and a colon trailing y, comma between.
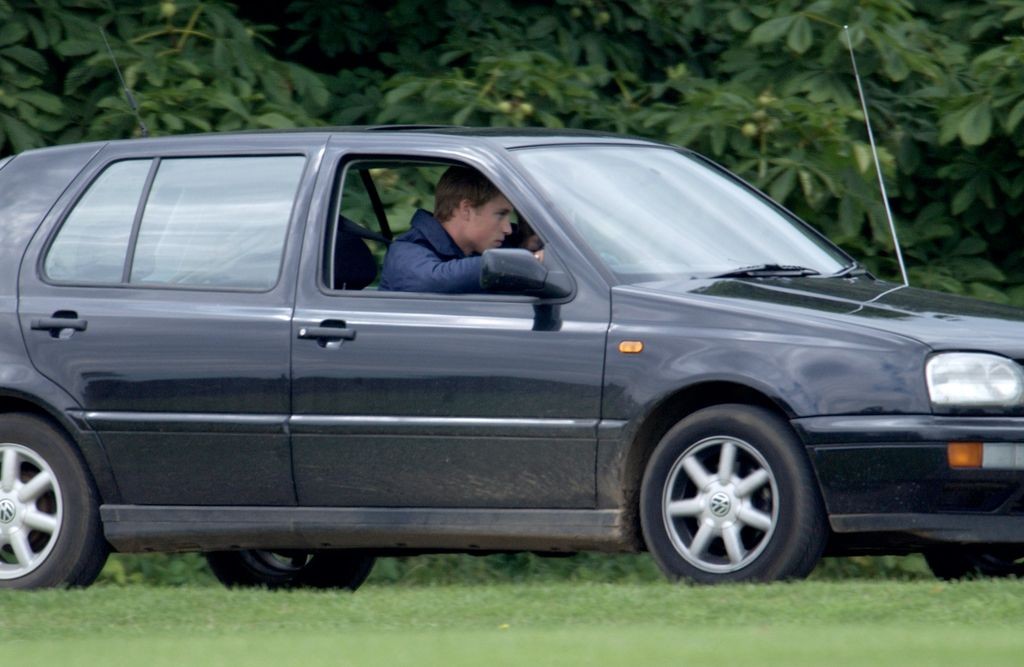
x: 974, y: 379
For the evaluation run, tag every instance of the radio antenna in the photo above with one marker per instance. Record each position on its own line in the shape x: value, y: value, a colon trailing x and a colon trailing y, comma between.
x: 124, y: 86
x: 878, y: 164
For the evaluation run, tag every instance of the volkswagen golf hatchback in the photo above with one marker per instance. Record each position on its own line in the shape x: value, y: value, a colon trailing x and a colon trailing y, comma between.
x: 195, y: 356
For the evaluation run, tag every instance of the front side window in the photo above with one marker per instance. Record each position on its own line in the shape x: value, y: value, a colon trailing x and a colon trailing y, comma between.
x: 207, y: 222
x: 376, y: 202
x: 653, y: 213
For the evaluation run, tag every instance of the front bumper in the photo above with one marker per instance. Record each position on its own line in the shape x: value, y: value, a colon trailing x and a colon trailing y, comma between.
x: 890, y: 474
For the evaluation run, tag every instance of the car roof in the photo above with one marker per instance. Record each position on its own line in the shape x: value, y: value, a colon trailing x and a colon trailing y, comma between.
x: 501, y: 136
x: 509, y: 137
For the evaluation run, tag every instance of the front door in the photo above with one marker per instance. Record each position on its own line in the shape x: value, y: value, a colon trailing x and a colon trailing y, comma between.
x: 429, y: 400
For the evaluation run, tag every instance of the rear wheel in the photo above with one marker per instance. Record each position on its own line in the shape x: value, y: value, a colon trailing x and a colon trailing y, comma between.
x: 965, y: 562
x: 50, y: 531
x: 291, y: 569
x: 728, y: 495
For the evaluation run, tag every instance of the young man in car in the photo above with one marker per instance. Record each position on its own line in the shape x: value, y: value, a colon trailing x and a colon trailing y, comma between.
x: 441, y: 253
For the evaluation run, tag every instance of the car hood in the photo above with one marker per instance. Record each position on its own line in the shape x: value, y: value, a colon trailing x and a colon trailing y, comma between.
x: 941, y: 321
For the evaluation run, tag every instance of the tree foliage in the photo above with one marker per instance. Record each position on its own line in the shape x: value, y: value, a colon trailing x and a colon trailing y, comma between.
x: 765, y: 88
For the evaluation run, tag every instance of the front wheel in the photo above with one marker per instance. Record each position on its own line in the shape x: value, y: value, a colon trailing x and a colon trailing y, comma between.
x: 291, y: 569
x: 728, y: 495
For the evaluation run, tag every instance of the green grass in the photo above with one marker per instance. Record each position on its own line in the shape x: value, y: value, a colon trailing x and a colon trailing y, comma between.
x: 809, y: 623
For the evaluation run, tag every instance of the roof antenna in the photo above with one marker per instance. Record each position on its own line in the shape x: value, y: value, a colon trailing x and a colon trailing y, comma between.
x: 124, y: 85
x: 878, y: 164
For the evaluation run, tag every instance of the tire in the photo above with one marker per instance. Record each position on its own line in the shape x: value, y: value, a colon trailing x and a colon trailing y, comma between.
x: 728, y: 495
x: 291, y: 569
x: 50, y: 529
x: 964, y: 562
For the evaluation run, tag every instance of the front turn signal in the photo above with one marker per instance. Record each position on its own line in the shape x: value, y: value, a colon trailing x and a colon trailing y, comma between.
x: 631, y: 347
x: 965, y: 454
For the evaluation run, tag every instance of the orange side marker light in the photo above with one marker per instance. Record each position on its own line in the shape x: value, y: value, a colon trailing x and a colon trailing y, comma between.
x: 965, y: 454
x: 631, y: 347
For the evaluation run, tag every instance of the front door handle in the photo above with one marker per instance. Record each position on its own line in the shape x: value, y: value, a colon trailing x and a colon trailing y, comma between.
x: 331, y: 334
x: 327, y: 333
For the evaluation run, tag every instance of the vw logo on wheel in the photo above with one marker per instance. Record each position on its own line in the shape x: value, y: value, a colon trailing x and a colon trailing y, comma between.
x: 7, y: 510
x: 720, y: 504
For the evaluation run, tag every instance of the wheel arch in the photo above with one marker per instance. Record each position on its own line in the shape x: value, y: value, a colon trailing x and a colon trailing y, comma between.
x: 85, y: 441
x: 649, y: 429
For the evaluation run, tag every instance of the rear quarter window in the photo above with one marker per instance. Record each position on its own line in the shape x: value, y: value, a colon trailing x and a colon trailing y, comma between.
x: 93, y: 242
x: 188, y: 222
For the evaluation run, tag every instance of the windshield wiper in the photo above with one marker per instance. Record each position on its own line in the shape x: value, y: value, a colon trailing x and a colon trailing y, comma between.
x: 769, y: 271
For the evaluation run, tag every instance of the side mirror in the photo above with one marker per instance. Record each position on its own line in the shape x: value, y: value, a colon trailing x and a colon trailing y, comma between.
x: 517, y: 271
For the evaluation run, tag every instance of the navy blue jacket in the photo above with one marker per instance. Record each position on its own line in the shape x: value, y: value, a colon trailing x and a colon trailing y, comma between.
x: 426, y: 259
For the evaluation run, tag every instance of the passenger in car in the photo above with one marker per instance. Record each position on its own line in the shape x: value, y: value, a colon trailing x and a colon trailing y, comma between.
x: 441, y: 253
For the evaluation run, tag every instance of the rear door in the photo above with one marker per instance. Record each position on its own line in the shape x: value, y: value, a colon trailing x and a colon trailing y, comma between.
x: 159, y: 296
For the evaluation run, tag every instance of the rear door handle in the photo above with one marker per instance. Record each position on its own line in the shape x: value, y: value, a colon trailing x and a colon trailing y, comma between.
x: 58, y: 324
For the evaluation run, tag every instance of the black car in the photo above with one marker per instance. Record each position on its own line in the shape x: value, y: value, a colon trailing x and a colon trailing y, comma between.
x: 194, y: 356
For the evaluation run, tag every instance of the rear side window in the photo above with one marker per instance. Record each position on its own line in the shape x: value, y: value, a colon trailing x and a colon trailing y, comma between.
x: 206, y: 222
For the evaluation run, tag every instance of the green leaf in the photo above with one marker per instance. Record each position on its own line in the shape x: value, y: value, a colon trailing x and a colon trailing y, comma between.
x: 800, y: 37
x: 228, y: 102
x: 963, y: 199
x: 719, y: 136
x: 274, y: 120
x: 806, y: 184
x: 403, y: 91
x: 987, y: 292
x: 1015, y: 116
x: 26, y: 57
x: 862, y: 154
x: 740, y: 20
x: 12, y: 32
x: 851, y: 218
x: 972, y: 245
x: 449, y: 57
x: 974, y: 268
x: 542, y: 28
x: 20, y: 135
x: 462, y: 114
x: 172, y: 122
x: 976, y: 125
x: 771, y: 31
x: 783, y: 185
x: 76, y: 47
x: 42, y: 100
x: 894, y: 64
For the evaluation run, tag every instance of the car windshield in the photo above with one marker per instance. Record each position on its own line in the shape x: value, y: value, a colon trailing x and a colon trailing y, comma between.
x: 654, y: 213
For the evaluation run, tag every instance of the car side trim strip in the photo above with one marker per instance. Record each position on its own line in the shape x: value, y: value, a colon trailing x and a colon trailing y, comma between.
x: 454, y: 426
x: 186, y: 422
x: 337, y: 424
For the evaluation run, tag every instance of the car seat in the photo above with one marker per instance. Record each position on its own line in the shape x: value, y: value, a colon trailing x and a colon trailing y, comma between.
x: 355, y: 267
